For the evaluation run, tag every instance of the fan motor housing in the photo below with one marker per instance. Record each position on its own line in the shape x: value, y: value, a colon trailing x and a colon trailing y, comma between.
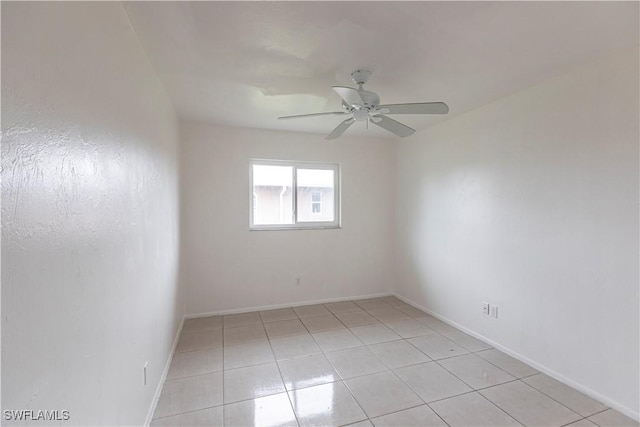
x: 371, y: 99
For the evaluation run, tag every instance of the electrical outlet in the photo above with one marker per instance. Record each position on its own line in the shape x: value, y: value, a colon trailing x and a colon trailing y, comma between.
x: 298, y: 281
x: 144, y: 372
x: 494, y: 311
x: 485, y: 308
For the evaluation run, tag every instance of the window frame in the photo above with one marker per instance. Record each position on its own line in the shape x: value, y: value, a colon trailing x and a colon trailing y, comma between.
x: 295, y: 165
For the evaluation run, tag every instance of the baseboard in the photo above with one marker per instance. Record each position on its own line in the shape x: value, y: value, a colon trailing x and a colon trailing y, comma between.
x: 553, y: 374
x: 296, y: 304
x: 163, y: 377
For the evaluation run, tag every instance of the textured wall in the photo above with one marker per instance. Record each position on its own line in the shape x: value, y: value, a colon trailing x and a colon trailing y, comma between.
x: 228, y: 267
x: 531, y: 203
x: 89, y: 214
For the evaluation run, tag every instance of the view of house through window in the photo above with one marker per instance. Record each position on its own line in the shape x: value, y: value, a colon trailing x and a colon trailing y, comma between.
x: 314, y: 203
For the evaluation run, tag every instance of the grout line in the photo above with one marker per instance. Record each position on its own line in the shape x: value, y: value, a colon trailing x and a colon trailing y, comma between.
x: 194, y: 376
x: 291, y: 405
x: 223, y: 374
x: 499, y: 408
x: 581, y: 419
x: 343, y: 380
x: 599, y: 412
x: 163, y: 377
x: 561, y: 404
x: 557, y: 401
x: 188, y: 412
x: 198, y: 349
x: 541, y: 368
x: 406, y: 409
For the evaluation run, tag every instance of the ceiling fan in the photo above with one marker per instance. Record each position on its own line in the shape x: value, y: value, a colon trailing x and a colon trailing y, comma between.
x: 364, y: 106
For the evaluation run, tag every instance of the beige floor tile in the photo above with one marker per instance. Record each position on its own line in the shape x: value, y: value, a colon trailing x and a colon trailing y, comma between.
x: 411, y: 311
x: 409, y: 328
x: 472, y: 409
x: 307, y: 371
x: 311, y: 310
x: 242, y: 319
x: 582, y: 423
x: 373, y: 334
x: 612, y: 418
x: 431, y: 381
x: 346, y: 361
x: 326, y: 405
x: 507, y: 363
x: 209, y: 417
x: 322, y: 323
x: 368, y: 304
x: 278, y: 315
x: 400, y: 305
x: 286, y: 328
x: 272, y: 411
x: 195, y: 363
x: 356, y: 318
x: 437, y: 346
x: 397, y: 354
x: 528, y: 406
x: 249, y: 354
x: 569, y: 397
x: 244, y: 334
x: 475, y: 371
x: 291, y: 347
x: 436, y: 324
x: 341, y: 307
x: 199, y: 340
x: 382, y: 393
x: 365, y: 423
x: 202, y: 324
x: 388, y: 314
x: 467, y: 341
x: 252, y: 382
x: 354, y: 362
x: 392, y: 300
x: 189, y: 394
x: 419, y: 416
x: 336, y: 340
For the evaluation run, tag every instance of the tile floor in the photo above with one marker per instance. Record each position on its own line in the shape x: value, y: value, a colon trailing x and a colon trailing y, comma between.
x: 369, y: 362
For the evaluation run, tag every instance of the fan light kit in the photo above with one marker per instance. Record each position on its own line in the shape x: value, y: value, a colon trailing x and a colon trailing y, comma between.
x: 364, y: 106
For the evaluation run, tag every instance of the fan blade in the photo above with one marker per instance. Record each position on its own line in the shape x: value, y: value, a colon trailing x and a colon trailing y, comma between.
x: 350, y: 95
x: 393, y: 126
x: 332, y: 113
x: 341, y: 128
x: 417, y: 108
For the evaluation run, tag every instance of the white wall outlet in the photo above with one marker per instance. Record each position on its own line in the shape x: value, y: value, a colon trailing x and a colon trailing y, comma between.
x: 144, y: 372
x: 494, y: 311
x: 298, y: 281
x: 485, y: 308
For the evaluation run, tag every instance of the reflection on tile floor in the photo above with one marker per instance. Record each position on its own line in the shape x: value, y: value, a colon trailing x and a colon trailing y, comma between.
x: 377, y: 362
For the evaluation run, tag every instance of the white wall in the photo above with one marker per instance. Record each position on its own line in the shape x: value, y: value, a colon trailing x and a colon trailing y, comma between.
x: 90, y: 221
x: 228, y: 267
x: 531, y: 203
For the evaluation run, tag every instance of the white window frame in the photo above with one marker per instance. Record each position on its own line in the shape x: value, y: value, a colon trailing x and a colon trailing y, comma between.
x: 295, y: 165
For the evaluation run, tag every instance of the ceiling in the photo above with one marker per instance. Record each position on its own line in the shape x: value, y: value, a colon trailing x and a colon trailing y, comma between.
x: 246, y: 63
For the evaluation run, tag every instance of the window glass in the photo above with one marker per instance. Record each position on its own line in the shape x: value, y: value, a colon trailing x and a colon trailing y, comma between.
x: 275, y: 204
x: 272, y: 195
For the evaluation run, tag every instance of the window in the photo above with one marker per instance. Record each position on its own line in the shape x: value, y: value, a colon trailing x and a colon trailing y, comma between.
x: 287, y: 195
x: 316, y: 202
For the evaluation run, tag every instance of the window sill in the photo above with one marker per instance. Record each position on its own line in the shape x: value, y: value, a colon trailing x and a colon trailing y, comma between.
x: 297, y: 227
